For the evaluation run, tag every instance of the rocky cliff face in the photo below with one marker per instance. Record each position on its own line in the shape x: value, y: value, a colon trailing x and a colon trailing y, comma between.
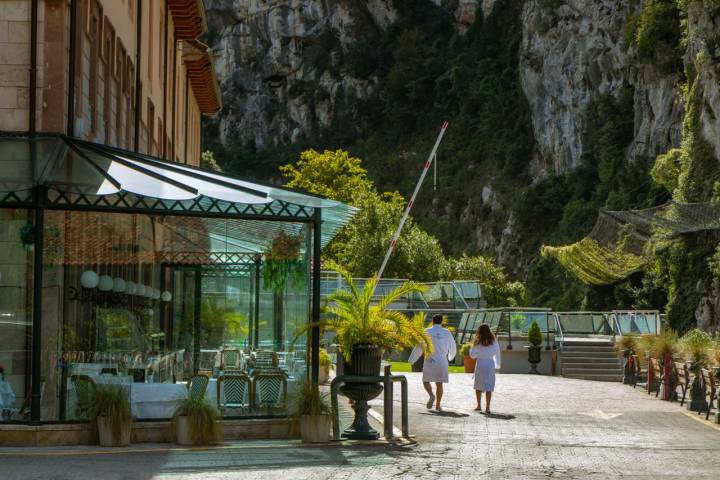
x: 573, y: 54
x: 289, y: 68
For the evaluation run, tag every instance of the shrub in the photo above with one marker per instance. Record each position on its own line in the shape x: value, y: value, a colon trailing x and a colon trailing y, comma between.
x: 308, y: 400
x: 535, y: 335
x: 111, y: 402
x: 625, y: 343
x: 465, y: 349
x: 667, y: 343
x: 696, y: 344
x: 202, y: 419
x: 325, y: 359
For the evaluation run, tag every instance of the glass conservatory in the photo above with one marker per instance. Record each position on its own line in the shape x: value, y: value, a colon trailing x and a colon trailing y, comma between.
x: 120, y: 268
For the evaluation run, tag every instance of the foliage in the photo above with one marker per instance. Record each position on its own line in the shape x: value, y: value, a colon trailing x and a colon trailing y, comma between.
x: 202, y: 418
x: 356, y: 320
x: 499, y: 290
x: 534, y: 334
x: 308, y: 400
x: 331, y: 174
x: 282, y: 262
x: 400, y: 367
x: 658, y: 34
x: 696, y: 345
x: 325, y: 360
x: 465, y: 349
x: 667, y: 168
x: 626, y: 343
x: 222, y: 323
x: 666, y: 343
x: 208, y: 162
x: 110, y: 402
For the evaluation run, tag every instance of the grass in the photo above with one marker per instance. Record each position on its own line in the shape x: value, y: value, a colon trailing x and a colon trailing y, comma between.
x: 400, y: 367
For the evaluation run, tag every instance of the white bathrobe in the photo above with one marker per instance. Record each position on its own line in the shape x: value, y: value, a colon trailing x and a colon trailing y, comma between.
x: 487, y: 360
x: 435, y: 366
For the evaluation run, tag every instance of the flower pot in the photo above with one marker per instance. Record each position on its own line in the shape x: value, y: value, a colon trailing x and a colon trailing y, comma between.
x: 315, y: 428
x: 323, y: 375
x: 534, y: 357
x: 182, y: 428
x: 364, y: 361
x: 469, y: 364
x: 106, y: 437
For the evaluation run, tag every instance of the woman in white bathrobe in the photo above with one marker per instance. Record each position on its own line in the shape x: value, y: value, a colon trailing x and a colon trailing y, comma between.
x: 486, y: 352
x: 436, y: 365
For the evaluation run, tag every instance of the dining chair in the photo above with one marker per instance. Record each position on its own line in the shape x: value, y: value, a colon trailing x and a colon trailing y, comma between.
x: 198, y: 385
x: 234, y: 392
x: 269, y: 390
x: 230, y: 359
x: 82, y: 385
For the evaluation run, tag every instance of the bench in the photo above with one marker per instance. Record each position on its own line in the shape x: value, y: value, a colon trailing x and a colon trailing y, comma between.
x: 683, y: 379
x: 654, y: 375
x: 710, y: 388
x: 640, y: 372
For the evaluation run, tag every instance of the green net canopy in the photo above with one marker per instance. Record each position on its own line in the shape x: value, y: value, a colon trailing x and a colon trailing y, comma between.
x: 621, y: 242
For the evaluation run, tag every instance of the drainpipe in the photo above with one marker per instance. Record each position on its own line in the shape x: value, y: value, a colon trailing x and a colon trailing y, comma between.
x: 165, y: 73
x: 187, y: 105
x: 174, y: 100
x: 71, y: 70
x: 138, y: 99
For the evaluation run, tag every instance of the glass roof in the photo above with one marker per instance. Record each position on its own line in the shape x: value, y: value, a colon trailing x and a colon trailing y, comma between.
x: 82, y: 175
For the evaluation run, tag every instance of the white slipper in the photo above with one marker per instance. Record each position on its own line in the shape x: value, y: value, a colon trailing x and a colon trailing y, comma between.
x: 430, y: 402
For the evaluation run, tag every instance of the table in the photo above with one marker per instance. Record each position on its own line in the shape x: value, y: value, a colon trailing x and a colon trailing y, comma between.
x: 7, y: 400
x: 156, y: 400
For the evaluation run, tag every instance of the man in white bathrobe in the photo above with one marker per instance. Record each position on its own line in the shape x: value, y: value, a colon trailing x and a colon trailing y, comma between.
x: 436, y: 366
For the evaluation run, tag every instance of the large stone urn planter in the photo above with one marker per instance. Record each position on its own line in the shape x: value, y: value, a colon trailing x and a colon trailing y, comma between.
x: 364, y: 361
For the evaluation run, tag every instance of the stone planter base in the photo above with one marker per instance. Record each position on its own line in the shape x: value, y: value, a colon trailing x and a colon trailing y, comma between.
x: 469, y: 364
x: 315, y: 428
x: 106, y: 437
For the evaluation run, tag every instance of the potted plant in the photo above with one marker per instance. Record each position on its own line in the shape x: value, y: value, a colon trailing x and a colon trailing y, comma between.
x: 535, y: 340
x: 468, y: 361
x: 108, y: 408
x: 325, y: 363
x: 196, y: 422
x: 365, y: 329
x: 665, y: 347
x: 695, y: 345
x: 311, y: 409
x: 625, y: 348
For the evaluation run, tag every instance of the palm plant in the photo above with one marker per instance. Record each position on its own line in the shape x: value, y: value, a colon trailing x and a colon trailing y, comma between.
x: 357, y: 321
x: 696, y: 345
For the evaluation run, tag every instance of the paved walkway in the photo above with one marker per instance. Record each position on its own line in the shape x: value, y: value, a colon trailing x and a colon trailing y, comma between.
x: 543, y: 427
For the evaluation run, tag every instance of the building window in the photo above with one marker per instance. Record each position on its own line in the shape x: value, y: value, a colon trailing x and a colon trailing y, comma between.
x: 151, y: 43
x: 130, y: 98
x: 120, y: 93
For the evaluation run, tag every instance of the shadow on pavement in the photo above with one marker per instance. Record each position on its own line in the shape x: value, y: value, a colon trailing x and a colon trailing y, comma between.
x: 500, y: 416
x: 446, y: 413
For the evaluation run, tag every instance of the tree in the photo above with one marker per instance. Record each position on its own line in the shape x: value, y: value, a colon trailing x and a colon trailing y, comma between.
x: 207, y: 161
x: 499, y: 290
x: 361, y: 245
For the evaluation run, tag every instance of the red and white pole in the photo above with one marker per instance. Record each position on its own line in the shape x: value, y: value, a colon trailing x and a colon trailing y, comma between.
x: 406, y: 214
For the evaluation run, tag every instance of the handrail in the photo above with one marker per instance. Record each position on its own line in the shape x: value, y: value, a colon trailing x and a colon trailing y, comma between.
x: 558, y: 329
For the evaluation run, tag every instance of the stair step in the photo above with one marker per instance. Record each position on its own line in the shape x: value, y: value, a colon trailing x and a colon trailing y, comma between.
x: 588, y: 355
x: 595, y: 371
x: 593, y: 366
x: 600, y: 377
x: 589, y: 348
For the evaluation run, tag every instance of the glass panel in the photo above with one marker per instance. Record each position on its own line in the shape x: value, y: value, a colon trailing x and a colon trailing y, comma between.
x: 16, y: 261
x: 72, y: 173
x: 15, y: 166
x: 150, y: 302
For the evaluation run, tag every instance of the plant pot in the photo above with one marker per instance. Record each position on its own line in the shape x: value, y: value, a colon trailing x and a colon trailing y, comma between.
x: 106, y: 437
x: 364, y: 361
x: 469, y: 364
x: 534, y: 357
x: 182, y: 427
x: 315, y: 428
x: 323, y: 375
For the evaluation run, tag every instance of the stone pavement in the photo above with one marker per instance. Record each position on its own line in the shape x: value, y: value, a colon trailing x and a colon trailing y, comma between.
x: 542, y: 427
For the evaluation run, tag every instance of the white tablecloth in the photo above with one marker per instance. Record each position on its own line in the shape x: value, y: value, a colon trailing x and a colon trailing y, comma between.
x: 7, y: 396
x: 156, y: 400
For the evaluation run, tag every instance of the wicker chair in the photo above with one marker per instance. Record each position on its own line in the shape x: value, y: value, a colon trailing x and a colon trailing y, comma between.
x: 269, y: 390
x: 197, y: 386
x: 234, y: 391
x: 82, y: 385
x: 230, y: 359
